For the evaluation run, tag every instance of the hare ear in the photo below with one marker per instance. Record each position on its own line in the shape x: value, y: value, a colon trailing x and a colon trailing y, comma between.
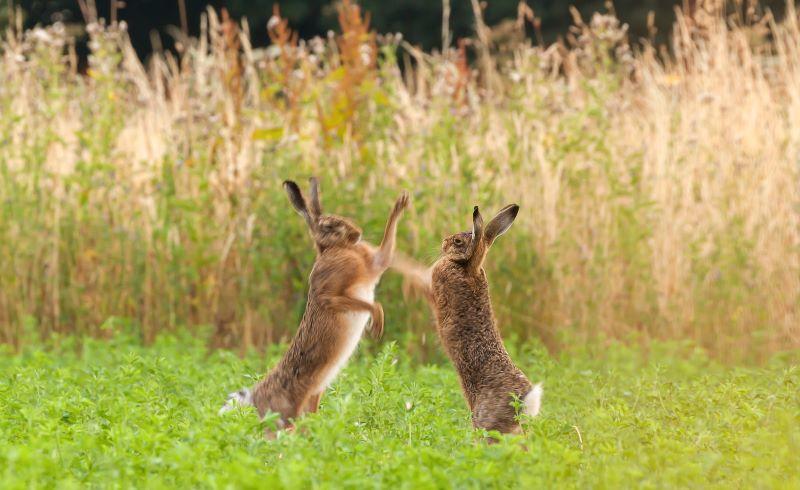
x: 295, y: 196
x: 477, y: 233
x: 500, y: 223
x: 477, y: 247
x: 299, y: 202
x: 316, y: 207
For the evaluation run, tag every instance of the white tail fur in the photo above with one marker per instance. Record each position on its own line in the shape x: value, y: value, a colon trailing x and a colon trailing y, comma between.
x: 243, y: 397
x: 533, y: 400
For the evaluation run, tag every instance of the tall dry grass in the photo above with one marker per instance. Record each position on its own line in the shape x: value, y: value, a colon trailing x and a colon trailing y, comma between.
x: 660, y: 194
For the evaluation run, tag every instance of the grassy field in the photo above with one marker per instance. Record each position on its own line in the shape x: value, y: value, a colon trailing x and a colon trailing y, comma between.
x: 123, y: 415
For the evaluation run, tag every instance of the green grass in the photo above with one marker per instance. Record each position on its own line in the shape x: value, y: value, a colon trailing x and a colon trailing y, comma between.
x: 123, y: 415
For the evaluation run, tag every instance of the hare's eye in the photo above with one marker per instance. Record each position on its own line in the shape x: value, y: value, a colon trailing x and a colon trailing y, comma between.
x: 459, y: 241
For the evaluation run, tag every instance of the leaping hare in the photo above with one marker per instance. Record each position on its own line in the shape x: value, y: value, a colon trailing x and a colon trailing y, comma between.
x: 457, y: 289
x: 341, y: 299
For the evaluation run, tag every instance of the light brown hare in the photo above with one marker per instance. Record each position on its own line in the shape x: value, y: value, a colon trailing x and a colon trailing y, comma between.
x: 457, y: 289
x: 340, y: 302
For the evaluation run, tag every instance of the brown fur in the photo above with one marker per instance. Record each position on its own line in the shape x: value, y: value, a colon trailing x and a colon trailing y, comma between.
x: 457, y: 289
x: 344, y: 267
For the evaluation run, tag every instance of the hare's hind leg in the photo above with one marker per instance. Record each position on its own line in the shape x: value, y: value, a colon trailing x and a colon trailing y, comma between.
x: 491, y: 415
x: 312, y: 403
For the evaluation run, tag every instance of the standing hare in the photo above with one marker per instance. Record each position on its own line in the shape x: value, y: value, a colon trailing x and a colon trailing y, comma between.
x: 341, y: 298
x: 458, y: 292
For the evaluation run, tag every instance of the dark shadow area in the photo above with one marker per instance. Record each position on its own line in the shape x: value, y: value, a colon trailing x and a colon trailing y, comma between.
x: 420, y: 21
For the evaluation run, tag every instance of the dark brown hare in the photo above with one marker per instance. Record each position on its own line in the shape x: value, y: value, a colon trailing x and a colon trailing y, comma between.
x: 457, y: 289
x: 341, y: 299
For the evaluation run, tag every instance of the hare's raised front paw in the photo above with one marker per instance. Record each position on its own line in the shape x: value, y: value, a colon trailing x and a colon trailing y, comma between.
x: 401, y: 203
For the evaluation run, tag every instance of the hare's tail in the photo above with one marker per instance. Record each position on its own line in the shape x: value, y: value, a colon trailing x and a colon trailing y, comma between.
x: 533, y: 400
x: 243, y: 397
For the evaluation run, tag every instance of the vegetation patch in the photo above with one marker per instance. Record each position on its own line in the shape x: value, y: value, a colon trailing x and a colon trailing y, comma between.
x: 122, y: 415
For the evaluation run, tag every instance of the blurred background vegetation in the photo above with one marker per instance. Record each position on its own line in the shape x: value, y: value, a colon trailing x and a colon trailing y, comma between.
x: 419, y: 21
x: 660, y: 191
